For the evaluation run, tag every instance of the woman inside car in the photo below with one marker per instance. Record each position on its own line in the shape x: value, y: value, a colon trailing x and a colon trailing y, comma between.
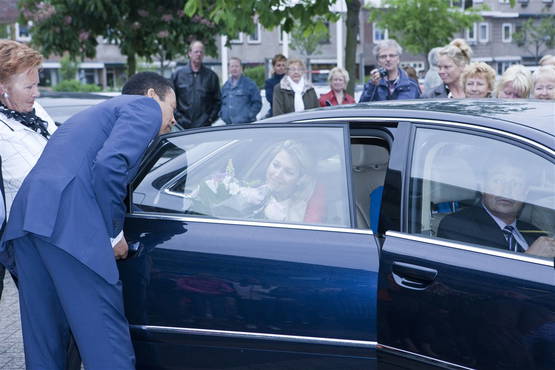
x: 289, y: 191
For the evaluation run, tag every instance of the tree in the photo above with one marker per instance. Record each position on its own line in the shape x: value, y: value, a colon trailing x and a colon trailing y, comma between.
x: 536, y: 36
x: 307, y: 42
x: 289, y: 14
x: 421, y: 25
x: 158, y: 28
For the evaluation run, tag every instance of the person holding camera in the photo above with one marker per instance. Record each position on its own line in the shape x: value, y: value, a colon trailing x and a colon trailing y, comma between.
x: 389, y: 82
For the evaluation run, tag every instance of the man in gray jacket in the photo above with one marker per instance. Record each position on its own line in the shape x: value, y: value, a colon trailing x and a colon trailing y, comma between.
x: 197, y: 89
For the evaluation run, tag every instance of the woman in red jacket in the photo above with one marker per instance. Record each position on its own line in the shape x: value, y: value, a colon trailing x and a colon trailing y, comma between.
x: 338, y: 80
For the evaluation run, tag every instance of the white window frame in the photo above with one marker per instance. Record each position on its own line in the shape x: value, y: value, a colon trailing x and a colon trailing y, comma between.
x: 238, y: 40
x: 374, y: 29
x: 24, y: 38
x: 486, y: 39
x: 259, y: 32
x: 474, y: 29
x: 503, y: 1
x: 507, y: 38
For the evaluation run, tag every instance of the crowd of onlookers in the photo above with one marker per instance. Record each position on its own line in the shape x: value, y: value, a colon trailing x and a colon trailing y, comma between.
x: 451, y: 74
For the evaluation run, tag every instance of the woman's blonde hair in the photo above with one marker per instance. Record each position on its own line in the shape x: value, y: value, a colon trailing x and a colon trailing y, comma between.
x: 338, y: 71
x: 544, y: 72
x: 520, y: 78
x: 480, y: 69
x: 459, y: 51
x: 15, y: 58
x: 295, y: 61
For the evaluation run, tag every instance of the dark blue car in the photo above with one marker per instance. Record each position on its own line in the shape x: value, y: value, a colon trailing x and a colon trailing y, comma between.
x: 401, y: 236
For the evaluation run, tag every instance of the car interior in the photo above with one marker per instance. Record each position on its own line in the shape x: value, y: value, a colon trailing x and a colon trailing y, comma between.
x: 369, y: 159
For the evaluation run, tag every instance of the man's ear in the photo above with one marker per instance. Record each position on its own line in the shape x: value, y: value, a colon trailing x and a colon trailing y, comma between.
x: 152, y: 94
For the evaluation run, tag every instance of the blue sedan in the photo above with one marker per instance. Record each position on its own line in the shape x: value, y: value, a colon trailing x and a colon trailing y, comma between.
x: 412, y: 234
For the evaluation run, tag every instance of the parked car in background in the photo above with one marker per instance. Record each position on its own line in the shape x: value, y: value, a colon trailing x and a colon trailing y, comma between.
x: 313, y: 241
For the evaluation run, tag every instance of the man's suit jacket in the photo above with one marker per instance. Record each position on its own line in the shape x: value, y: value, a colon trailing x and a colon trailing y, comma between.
x: 475, y: 225
x: 73, y: 197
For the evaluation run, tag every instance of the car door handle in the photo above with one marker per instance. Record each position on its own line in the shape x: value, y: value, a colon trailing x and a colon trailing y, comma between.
x: 413, y: 276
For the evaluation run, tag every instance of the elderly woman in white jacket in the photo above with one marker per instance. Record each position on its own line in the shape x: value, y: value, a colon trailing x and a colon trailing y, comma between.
x: 24, y: 126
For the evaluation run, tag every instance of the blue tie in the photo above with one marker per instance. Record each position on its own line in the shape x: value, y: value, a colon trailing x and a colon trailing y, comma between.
x: 511, y: 240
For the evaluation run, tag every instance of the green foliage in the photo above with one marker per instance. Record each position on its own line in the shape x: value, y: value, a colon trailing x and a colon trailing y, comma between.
x: 76, y: 86
x: 270, y: 13
x: 421, y: 25
x: 256, y: 74
x: 536, y: 35
x: 308, y: 41
x: 3, y: 31
x: 155, y: 29
x: 68, y: 68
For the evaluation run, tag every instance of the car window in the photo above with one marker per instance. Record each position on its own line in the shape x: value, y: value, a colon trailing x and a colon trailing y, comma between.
x: 268, y: 174
x: 469, y: 189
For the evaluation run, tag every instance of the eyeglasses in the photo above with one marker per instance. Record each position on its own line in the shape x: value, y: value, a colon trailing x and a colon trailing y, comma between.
x: 390, y: 56
x: 301, y: 70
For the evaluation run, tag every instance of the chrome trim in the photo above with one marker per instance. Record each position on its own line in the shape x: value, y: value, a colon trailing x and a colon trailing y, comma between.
x: 419, y: 357
x: 250, y: 223
x: 455, y: 245
x: 251, y: 335
x: 422, y: 120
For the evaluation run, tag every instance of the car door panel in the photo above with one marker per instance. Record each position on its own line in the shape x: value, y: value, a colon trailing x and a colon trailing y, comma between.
x: 310, y: 284
x: 474, y: 297
x: 451, y: 304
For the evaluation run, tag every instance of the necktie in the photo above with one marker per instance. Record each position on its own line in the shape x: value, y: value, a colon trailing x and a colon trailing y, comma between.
x: 511, y: 240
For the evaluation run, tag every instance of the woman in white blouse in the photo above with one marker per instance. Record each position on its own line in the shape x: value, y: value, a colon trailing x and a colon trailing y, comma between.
x: 24, y: 127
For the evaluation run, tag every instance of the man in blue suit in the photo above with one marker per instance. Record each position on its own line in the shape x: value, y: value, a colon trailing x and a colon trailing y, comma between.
x: 66, y: 223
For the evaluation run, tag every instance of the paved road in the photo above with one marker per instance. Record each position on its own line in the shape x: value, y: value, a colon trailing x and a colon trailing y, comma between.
x: 11, y: 345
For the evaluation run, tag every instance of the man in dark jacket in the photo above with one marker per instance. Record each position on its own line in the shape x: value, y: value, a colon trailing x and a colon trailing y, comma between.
x: 389, y: 82
x: 197, y: 89
x: 495, y: 222
x: 279, y: 66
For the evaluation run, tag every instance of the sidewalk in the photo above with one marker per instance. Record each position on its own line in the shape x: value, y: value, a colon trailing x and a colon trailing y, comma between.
x: 11, y: 345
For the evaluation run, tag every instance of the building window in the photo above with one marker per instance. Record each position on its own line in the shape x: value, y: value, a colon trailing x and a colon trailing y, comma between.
x: 502, y: 66
x: 484, y: 32
x: 379, y: 34
x: 507, y: 32
x: 504, y: 1
x: 255, y: 37
x: 22, y: 32
x: 238, y: 40
x: 471, y: 33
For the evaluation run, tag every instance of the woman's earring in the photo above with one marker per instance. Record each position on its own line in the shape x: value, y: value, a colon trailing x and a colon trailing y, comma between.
x: 5, y: 95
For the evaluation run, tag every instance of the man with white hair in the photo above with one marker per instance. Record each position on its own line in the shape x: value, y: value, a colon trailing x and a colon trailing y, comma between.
x: 389, y: 82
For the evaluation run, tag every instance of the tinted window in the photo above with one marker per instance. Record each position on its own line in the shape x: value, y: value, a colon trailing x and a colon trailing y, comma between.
x: 269, y: 174
x: 468, y: 188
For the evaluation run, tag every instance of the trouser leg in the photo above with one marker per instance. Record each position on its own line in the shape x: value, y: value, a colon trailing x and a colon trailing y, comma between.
x: 45, y: 329
x: 93, y: 309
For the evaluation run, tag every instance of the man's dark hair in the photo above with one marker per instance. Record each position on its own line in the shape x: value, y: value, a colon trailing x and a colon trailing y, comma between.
x: 139, y: 83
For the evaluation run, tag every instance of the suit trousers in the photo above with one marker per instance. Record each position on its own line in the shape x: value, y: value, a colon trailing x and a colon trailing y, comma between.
x: 58, y: 293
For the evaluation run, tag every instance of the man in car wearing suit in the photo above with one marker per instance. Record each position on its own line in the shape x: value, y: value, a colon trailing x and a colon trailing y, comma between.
x: 495, y: 222
x: 66, y: 223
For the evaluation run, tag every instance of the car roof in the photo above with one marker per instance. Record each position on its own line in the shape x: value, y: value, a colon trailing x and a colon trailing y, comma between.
x: 538, y: 115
